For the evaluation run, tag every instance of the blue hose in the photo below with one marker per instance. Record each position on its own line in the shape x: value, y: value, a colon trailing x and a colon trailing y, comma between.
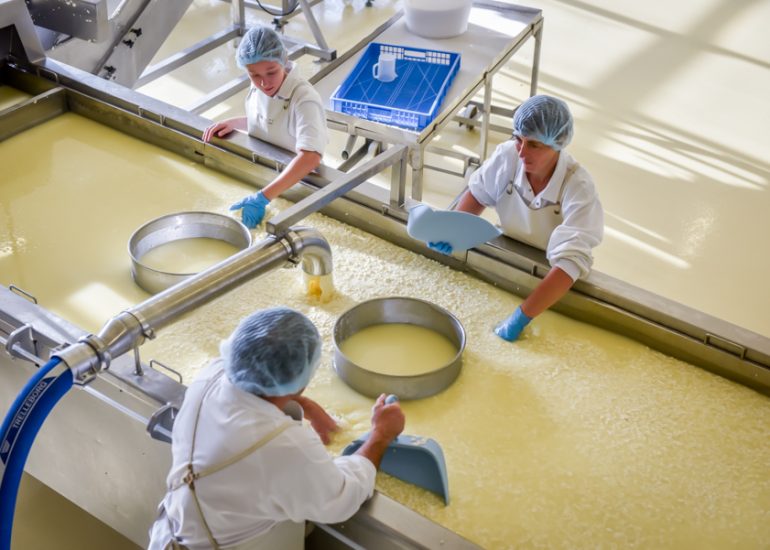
x: 20, y: 426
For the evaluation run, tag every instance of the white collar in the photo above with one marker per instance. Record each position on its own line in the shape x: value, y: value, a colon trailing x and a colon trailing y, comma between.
x: 289, y: 83
x: 551, y: 192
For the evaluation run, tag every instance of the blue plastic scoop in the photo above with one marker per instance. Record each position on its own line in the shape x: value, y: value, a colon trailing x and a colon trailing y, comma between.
x: 414, y: 459
x: 460, y: 229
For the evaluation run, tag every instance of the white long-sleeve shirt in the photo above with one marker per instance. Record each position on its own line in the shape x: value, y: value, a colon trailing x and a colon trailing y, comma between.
x: 291, y: 478
x: 567, y: 231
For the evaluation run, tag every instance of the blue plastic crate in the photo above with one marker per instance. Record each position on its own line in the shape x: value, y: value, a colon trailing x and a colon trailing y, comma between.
x: 410, y: 101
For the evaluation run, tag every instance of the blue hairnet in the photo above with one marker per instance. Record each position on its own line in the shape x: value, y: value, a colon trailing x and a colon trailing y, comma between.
x: 272, y: 352
x: 260, y: 44
x: 545, y: 119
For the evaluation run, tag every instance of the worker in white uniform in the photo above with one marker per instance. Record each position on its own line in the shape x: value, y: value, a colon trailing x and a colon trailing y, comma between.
x: 282, y: 108
x: 544, y: 198
x: 246, y: 475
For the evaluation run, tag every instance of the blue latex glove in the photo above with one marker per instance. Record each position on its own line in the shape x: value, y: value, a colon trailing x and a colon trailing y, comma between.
x: 441, y: 246
x: 511, y: 328
x: 253, y: 209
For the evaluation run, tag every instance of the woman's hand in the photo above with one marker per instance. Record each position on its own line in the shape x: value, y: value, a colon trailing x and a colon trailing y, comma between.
x: 218, y: 129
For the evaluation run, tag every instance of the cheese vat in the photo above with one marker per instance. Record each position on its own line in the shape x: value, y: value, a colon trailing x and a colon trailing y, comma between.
x: 572, y: 432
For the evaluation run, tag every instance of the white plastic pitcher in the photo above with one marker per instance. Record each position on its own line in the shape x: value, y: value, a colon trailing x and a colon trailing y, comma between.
x: 437, y: 18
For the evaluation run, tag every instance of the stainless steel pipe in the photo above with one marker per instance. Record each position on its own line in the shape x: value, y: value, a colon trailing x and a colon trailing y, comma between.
x: 130, y: 328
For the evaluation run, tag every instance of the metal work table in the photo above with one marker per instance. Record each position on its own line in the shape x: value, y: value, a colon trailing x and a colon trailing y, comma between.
x: 496, y: 31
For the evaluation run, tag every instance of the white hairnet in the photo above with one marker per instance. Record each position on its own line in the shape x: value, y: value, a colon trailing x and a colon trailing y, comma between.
x: 260, y: 44
x: 272, y: 352
x: 545, y: 119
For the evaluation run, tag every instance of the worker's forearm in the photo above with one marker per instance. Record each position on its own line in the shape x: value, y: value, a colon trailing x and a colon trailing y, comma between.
x: 321, y: 421
x: 300, y: 166
x: 374, y: 448
x: 555, y: 285
x: 468, y: 203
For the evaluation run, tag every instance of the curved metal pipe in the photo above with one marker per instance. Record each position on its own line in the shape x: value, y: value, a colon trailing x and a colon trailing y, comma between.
x: 313, y: 248
x: 130, y: 328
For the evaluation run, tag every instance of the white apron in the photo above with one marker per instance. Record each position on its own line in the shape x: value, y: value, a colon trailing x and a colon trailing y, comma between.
x: 286, y: 535
x: 526, y: 223
x: 268, y: 117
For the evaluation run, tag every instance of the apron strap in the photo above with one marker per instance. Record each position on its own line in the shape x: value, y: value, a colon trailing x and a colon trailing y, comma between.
x: 287, y: 100
x: 192, y: 476
x: 567, y: 175
x: 570, y: 172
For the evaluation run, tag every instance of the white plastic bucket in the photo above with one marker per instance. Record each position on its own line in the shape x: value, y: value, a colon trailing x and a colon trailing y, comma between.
x: 437, y: 18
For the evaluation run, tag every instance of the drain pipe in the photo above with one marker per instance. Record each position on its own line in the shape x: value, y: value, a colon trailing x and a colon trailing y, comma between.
x: 81, y: 362
x: 130, y: 328
x: 313, y: 249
